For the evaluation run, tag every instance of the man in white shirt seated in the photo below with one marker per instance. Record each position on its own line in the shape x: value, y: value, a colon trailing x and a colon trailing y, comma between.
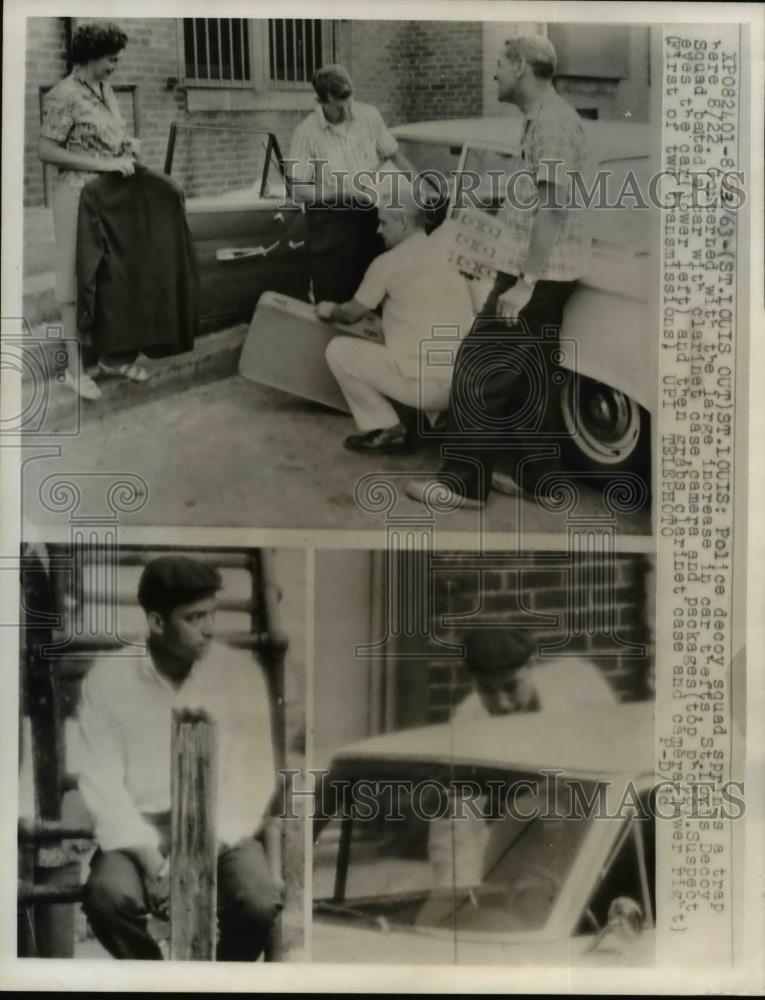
x: 423, y: 299
x: 124, y: 769
x: 508, y: 676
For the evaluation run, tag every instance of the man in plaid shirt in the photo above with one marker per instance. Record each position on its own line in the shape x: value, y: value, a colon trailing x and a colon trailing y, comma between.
x: 506, y: 378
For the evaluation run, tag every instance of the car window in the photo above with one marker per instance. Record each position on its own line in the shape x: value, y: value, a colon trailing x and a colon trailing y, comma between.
x: 435, y: 164
x: 431, y: 156
x: 388, y: 857
x: 485, y: 176
x: 235, y: 166
x: 624, y: 228
x: 464, y: 873
x: 620, y: 224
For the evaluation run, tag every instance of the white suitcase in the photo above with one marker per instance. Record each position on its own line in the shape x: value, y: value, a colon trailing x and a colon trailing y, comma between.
x: 285, y: 348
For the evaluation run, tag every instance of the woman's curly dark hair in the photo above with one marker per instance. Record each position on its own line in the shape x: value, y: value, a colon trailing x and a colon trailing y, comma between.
x: 94, y: 41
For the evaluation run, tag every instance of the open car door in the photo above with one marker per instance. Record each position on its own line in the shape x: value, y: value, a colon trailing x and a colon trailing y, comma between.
x: 247, y: 236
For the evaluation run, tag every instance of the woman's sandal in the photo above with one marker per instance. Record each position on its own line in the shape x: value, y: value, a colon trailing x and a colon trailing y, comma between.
x: 133, y: 372
x: 82, y: 385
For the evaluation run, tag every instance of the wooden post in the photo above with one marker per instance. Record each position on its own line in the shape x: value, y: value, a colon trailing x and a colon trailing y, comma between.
x: 193, y: 850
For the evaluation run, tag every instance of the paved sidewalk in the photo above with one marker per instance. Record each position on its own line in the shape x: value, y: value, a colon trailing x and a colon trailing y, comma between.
x: 232, y: 453
x: 56, y: 409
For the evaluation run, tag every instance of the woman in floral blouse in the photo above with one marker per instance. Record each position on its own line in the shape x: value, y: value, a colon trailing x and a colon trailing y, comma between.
x: 83, y: 134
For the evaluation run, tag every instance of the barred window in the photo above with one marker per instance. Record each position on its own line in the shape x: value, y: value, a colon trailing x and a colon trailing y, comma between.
x: 217, y: 50
x: 295, y: 50
x: 238, y: 52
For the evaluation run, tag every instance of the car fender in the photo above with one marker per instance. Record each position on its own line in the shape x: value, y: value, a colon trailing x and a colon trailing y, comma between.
x: 606, y: 330
x: 608, y: 339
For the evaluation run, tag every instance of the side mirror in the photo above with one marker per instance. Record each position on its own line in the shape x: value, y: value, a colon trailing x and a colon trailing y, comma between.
x: 625, y: 916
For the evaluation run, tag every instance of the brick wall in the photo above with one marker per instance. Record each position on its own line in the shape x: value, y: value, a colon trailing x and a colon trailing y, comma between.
x: 150, y: 58
x: 410, y: 70
x: 516, y: 591
x: 45, y: 64
x: 419, y: 70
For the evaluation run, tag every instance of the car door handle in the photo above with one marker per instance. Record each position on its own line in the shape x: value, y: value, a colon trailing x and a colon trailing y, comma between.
x: 296, y: 246
x: 238, y: 253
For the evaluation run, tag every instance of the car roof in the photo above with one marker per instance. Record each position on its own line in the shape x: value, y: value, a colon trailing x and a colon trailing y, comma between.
x: 584, y: 742
x: 611, y: 140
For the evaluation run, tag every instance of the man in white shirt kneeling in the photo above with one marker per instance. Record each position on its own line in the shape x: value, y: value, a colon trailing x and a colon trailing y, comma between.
x: 426, y: 310
x: 124, y: 769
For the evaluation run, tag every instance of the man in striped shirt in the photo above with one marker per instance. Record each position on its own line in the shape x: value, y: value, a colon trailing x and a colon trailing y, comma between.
x: 335, y: 153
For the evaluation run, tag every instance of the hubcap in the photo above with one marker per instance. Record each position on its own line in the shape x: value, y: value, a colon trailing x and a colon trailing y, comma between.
x: 603, y: 421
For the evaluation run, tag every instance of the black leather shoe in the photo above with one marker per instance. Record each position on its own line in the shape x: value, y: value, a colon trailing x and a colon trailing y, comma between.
x: 385, y: 441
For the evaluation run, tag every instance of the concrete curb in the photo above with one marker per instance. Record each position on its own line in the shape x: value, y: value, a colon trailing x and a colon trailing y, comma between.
x: 215, y: 356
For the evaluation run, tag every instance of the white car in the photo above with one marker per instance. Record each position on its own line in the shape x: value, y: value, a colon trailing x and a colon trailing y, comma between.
x: 249, y: 241
x: 609, y: 342
x: 393, y: 886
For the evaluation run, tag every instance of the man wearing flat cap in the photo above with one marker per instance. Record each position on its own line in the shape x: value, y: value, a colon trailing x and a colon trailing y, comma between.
x: 124, y: 769
x: 507, y: 677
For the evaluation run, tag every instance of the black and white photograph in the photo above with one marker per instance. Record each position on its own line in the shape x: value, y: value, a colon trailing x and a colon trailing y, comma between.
x: 293, y: 253
x: 484, y: 753
x: 162, y: 700
x: 379, y: 499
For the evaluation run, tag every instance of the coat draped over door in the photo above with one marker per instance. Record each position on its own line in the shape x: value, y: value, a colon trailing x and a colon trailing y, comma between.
x: 137, y: 283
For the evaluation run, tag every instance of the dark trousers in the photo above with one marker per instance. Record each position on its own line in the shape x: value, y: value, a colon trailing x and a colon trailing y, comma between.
x: 505, y: 393
x: 248, y: 903
x: 343, y: 242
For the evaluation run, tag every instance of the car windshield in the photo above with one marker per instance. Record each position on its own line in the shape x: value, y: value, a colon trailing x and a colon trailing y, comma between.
x: 486, y: 177
x: 622, y: 231
x: 480, y: 869
x: 627, y: 227
x: 230, y: 164
x: 619, y: 224
x: 431, y: 156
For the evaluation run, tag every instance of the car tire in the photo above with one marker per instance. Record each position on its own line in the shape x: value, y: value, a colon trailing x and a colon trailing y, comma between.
x: 606, y: 431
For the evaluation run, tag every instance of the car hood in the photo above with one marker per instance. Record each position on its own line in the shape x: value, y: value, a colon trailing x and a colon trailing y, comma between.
x: 589, y: 743
x: 610, y: 140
